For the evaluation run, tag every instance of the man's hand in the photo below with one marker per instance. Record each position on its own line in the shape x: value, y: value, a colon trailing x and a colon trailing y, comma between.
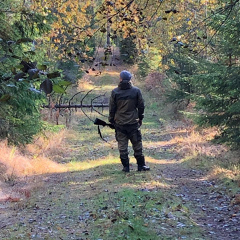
x: 140, y: 122
x: 111, y: 126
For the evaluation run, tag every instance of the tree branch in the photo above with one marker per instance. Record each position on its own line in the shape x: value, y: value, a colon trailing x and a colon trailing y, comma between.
x: 93, y: 105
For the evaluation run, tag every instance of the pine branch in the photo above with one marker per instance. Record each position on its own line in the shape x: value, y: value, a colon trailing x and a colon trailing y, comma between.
x: 217, y: 30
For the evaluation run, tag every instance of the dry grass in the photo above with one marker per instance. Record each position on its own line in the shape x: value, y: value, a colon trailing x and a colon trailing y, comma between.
x: 35, y: 159
x: 196, y: 145
x: 220, y: 172
x: 85, y: 84
x: 17, y: 164
x: 48, y: 144
x: 227, y: 167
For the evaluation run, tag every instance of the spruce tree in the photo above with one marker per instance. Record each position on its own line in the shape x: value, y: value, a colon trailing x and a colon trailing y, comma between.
x: 211, y: 79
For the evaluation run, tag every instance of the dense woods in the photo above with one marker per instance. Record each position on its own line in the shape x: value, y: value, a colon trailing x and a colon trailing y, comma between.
x: 60, y: 174
x: 47, y: 45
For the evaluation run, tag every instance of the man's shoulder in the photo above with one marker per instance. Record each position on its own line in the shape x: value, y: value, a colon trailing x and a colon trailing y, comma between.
x: 115, y: 89
x: 133, y: 88
x: 115, y: 92
x: 136, y: 88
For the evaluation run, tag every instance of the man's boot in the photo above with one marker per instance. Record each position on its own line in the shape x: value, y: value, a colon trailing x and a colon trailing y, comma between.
x: 126, y: 169
x: 141, y: 164
x: 125, y: 163
x: 143, y: 168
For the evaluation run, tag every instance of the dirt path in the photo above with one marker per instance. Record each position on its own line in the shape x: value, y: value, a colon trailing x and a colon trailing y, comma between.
x: 92, y: 199
x: 210, y: 204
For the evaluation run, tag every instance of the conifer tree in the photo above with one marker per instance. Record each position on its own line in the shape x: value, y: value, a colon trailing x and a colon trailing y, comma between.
x: 211, y: 78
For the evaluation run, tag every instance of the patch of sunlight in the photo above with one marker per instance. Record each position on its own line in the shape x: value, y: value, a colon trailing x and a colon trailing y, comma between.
x: 194, y: 137
x: 107, y: 71
x: 18, y: 164
x: 116, y: 73
x: 99, y: 180
x: 44, y: 165
x: 161, y: 161
x: 151, y: 185
x: 85, y: 165
x: 151, y: 144
x: 219, y: 172
x: 149, y: 123
x: 189, y: 158
x: 108, y: 87
x: 86, y: 86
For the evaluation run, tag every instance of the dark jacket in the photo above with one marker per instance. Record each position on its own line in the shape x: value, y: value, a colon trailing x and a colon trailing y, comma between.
x: 126, y: 104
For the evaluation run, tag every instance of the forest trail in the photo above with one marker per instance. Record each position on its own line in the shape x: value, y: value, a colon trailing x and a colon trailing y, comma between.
x: 91, y: 198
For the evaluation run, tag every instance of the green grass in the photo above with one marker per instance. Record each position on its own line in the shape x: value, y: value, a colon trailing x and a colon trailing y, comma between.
x: 138, y: 214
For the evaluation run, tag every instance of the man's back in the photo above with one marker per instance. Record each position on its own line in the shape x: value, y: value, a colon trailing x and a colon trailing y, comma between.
x: 126, y: 104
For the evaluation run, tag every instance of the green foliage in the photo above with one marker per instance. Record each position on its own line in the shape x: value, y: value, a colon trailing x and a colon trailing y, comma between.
x: 20, y: 115
x: 48, y: 127
x: 20, y: 101
x: 27, y: 60
x: 212, y: 81
x: 31, y: 25
x: 143, y: 67
x: 182, y: 70
x: 149, y: 60
x: 71, y: 71
x: 220, y: 101
x: 128, y: 50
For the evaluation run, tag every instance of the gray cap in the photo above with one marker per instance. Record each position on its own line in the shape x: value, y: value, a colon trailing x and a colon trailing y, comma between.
x: 125, y: 75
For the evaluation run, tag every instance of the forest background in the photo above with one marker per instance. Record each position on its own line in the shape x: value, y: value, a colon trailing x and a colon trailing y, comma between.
x: 194, y: 44
x: 185, y: 57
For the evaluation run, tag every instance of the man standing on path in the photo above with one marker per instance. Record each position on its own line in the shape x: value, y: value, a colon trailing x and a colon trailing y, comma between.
x: 126, y: 112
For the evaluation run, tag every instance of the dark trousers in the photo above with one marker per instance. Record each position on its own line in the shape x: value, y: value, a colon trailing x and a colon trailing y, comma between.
x: 131, y: 132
